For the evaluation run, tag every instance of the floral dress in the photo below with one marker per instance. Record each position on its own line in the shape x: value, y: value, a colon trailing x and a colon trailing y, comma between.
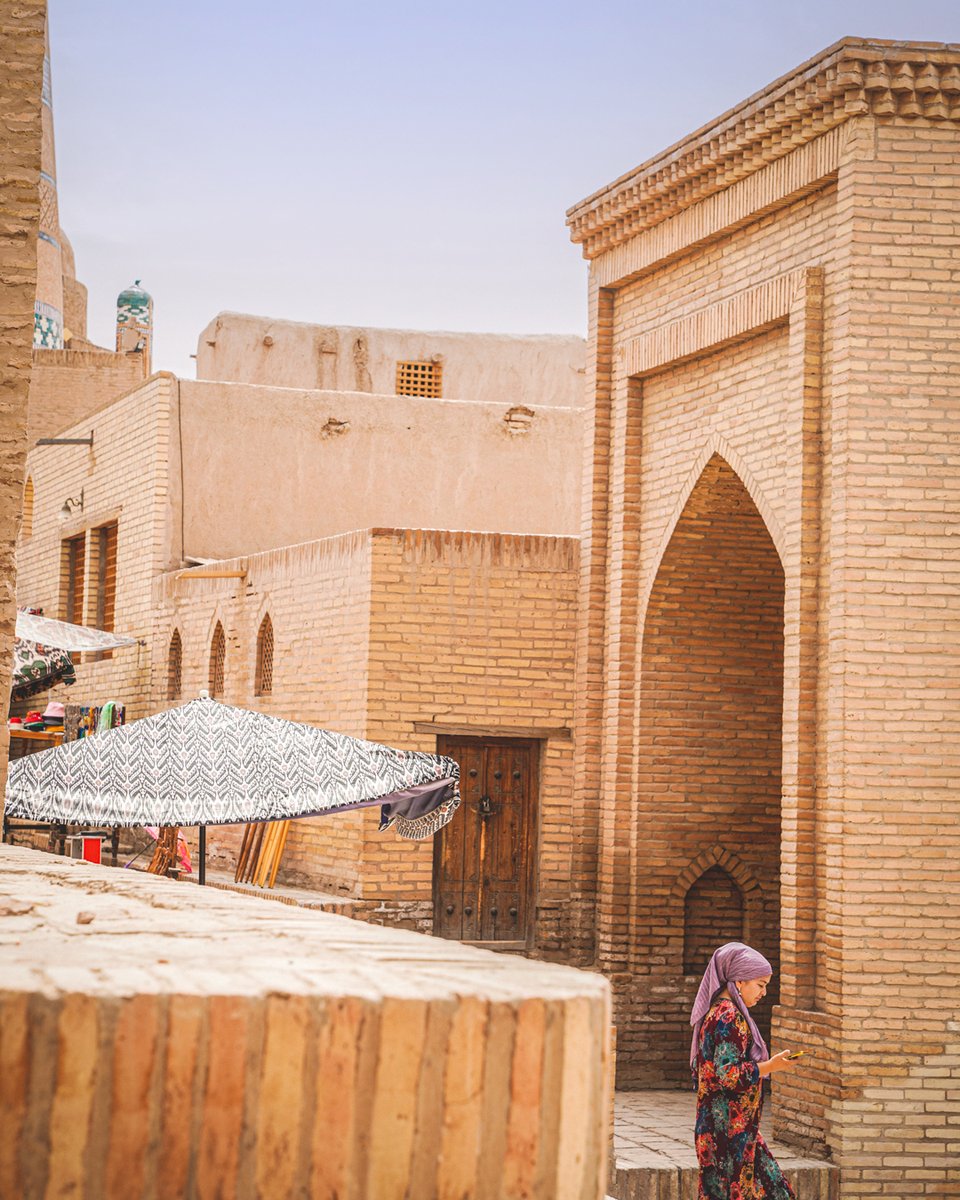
x: 735, y: 1163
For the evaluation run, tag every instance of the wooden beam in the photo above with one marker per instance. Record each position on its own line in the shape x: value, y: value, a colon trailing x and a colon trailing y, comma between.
x: 490, y: 731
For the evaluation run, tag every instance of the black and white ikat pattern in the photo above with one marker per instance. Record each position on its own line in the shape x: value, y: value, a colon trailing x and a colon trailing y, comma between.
x: 207, y: 763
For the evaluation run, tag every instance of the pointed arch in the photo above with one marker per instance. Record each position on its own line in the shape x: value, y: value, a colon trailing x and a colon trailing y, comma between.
x: 714, y: 912
x: 218, y: 656
x: 709, y: 744
x: 175, y: 667
x: 263, y: 670
x: 716, y: 447
x: 26, y: 524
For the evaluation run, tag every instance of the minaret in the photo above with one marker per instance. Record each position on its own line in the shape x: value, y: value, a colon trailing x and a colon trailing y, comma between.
x: 48, y: 307
x: 135, y: 322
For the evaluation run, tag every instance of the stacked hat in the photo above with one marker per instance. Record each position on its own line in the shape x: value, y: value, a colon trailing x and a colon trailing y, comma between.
x: 53, y: 715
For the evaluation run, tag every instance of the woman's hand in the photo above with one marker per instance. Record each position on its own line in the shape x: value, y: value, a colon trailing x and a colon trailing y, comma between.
x: 779, y: 1062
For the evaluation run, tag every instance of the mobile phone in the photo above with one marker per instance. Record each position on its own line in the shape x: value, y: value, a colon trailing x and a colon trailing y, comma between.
x: 796, y: 1054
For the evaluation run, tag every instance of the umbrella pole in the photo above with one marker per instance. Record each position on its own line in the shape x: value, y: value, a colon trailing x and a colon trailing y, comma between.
x: 203, y: 855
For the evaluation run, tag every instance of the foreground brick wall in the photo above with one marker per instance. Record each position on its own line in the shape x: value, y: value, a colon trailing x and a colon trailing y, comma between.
x: 256, y: 1050
x: 777, y: 293
x: 21, y: 52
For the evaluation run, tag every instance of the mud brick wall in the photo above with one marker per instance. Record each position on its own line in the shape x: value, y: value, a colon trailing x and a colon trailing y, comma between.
x: 21, y: 51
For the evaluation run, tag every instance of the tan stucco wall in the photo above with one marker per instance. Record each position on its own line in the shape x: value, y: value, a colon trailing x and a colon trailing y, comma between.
x: 504, y: 368
x: 266, y: 467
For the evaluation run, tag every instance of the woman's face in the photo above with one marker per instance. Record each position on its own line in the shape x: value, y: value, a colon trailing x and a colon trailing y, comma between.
x: 753, y: 990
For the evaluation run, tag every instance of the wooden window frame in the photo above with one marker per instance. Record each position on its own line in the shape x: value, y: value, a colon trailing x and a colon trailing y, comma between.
x: 103, y: 577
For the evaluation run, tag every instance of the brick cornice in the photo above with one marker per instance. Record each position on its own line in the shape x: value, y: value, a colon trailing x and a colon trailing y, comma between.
x: 852, y: 78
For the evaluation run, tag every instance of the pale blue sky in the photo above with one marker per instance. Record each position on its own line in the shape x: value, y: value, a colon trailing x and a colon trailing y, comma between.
x: 380, y: 163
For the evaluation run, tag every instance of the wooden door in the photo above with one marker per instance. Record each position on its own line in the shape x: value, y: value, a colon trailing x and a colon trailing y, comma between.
x: 484, y: 859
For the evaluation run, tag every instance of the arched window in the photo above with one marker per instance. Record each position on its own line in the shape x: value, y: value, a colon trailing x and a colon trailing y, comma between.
x: 263, y: 674
x: 712, y: 915
x: 175, y: 667
x: 218, y: 653
x: 26, y: 525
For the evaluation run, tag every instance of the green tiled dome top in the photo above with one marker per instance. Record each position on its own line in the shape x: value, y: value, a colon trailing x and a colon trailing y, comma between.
x: 134, y: 299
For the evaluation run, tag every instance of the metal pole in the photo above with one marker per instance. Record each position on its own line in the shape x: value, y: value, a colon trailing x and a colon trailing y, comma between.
x: 203, y: 855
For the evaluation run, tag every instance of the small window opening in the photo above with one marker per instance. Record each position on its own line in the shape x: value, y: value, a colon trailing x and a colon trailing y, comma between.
x: 263, y: 674
x: 175, y: 667
x: 419, y: 379
x: 218, y: 654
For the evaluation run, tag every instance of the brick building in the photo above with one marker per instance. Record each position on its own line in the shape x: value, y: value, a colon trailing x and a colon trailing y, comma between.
x: 767, y: 710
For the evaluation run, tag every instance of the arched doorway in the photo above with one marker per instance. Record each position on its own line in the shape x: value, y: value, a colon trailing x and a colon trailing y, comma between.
x: 709, y: 755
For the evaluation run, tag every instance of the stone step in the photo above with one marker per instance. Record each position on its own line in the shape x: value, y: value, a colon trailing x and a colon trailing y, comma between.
x: 657, y: 1181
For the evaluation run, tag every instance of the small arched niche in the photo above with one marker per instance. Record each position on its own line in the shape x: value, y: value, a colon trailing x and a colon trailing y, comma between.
x: 713, y: 913
x: 218, y: 655
x: 26, y: 526
x: 175, y: 667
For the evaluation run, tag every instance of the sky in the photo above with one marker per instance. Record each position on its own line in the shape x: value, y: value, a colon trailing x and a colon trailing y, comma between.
x: 389, y: 164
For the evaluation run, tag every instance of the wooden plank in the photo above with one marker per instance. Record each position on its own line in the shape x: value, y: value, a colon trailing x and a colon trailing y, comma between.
x: 446, y: 729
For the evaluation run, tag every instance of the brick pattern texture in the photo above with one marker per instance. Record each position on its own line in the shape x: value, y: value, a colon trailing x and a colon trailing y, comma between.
x: 399, y: 636
x: 379, y: 1069
x: 769, y: 640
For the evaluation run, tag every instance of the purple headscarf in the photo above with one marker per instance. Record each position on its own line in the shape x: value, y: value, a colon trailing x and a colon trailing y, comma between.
x: 729, y: 963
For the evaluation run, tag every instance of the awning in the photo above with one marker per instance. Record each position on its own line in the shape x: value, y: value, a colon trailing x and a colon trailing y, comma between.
x: 64, y: 636
x: 206, y: 763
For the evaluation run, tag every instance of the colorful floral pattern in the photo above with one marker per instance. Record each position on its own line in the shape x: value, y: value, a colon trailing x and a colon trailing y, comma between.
x: 735, y: 1163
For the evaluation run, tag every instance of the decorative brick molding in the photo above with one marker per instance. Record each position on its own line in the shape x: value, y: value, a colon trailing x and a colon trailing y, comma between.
x: 852, y: 78
x: 717, y: 326
x: 754, y: 900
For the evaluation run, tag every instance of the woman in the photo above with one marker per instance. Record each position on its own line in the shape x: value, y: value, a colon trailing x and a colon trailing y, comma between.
x: 729, y: 1059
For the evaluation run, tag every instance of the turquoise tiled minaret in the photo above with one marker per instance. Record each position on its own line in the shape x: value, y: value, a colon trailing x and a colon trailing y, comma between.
x: 135, y: 321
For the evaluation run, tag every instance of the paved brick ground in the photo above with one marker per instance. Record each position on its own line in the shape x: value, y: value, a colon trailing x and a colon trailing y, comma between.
x: 658, y: 1125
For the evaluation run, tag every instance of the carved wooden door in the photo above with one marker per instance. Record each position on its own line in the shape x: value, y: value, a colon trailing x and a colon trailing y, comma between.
x: 484, y: 859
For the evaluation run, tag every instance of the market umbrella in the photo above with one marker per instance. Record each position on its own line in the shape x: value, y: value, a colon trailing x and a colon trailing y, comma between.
x: 207, y: 763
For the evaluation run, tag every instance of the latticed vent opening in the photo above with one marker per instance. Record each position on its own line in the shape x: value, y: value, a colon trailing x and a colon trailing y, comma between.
x: 175, y: 667
x: 419, y: 379
x: 713, y: 914
x: 263, y: 676
x: 218, y: 654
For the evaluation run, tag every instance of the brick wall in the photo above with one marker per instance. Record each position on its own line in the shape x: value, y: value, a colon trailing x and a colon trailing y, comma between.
x: 398, y: 636
x: 68, y: 386
x: 126, y: 478
x: 256, y: 1050
x: 778, y: 295
x: 21, y: 51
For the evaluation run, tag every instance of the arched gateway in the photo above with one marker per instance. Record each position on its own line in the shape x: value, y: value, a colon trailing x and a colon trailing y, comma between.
x: 768, y: 643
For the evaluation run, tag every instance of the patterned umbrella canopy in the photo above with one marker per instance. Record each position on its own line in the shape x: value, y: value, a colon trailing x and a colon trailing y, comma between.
x: 207, y: 763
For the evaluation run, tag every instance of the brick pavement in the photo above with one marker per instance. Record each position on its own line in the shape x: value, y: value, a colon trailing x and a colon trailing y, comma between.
x: 655, y: 1158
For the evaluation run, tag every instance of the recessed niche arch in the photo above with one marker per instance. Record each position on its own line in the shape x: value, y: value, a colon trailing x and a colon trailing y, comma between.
x: 709, y: 751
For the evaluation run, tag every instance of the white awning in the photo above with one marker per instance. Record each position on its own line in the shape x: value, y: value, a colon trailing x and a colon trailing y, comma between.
x: 47, y: 632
